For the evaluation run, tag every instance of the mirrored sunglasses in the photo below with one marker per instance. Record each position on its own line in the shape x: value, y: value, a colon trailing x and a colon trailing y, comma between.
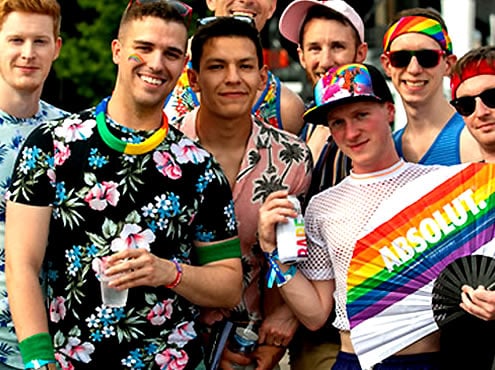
x: 427, y: 58
x: 183, y: 9
x: 466, y: 105
x: 243, y: 18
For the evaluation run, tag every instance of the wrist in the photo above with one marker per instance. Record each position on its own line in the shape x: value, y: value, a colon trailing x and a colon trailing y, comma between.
x: 178, y: 276
x: 275, y: 274
x: 37, y: 351
x: 288, y: 275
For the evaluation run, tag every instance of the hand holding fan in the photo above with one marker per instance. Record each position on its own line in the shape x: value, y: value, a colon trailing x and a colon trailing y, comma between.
x: 474, y: 270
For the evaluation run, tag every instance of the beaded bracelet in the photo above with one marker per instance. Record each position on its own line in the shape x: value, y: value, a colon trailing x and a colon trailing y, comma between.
x: 178, y: 277
x: 274, y: 274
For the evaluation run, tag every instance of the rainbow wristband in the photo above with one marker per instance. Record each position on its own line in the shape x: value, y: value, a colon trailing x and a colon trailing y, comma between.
x: 37, y: 347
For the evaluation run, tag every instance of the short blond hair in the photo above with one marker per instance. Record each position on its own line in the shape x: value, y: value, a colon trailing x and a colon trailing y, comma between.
x: 44, y: 7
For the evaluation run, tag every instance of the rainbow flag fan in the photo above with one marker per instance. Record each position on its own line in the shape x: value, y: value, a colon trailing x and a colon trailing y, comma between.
x: 413, y: 236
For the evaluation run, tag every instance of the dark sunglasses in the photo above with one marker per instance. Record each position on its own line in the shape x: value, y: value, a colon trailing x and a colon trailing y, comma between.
x: 243, y: 18
x: 466, y: 105
x: 427, y: 58
x: 183, y: 9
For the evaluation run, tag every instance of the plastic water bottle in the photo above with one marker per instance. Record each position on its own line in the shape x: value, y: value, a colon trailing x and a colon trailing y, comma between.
x: 244, y: 341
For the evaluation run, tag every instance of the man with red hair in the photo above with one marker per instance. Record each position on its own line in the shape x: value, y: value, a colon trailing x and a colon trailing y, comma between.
x: 30, y: 42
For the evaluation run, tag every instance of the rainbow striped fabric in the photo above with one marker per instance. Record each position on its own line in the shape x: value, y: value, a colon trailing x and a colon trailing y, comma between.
x: 436, y: 219
x: 418, y: 24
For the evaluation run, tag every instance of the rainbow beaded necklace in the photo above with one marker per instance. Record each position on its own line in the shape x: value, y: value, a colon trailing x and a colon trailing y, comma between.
x: 122, y: 146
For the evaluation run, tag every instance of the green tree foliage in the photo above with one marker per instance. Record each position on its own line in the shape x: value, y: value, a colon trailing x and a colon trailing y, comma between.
x: 85, y: 63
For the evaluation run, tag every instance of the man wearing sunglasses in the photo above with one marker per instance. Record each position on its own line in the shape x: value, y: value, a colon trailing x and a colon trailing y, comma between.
x: 327, y: 34
x: 276, y: 104
x: 114, y: 192
x: 227, y: 69
x: 473, y: 96
x: 417, y: 55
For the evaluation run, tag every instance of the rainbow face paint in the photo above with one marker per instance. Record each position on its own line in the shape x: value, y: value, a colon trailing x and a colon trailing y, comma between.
x: 135, y: 58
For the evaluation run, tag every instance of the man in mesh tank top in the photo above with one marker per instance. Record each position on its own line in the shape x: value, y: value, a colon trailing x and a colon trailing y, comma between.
x: 350, y: 100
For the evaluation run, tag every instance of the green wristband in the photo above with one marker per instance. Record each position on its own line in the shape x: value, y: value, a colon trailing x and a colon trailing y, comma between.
x: 37, y: 347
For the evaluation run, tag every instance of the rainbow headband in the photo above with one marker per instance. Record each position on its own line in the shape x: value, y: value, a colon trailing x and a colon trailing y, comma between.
x: 472, y: 69
x: 418, y: 24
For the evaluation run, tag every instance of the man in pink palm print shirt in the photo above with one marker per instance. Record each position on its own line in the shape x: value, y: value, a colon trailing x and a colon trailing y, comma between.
x: 257, y: 160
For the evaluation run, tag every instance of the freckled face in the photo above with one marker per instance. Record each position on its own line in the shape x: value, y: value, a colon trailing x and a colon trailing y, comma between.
x: 362, y: 132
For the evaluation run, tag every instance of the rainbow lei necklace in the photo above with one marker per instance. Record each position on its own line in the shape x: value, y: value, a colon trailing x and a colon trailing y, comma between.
x: 122, y: 146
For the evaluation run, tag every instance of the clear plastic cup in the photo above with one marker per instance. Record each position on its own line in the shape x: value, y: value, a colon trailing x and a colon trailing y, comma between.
x: 112, y: 297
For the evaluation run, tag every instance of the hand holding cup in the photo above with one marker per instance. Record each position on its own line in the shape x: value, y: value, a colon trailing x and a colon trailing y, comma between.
x: 111, y: 297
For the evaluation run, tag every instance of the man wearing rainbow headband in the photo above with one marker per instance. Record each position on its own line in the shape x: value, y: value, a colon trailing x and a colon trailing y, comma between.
x: 473, y: 94
x: 417, y: 55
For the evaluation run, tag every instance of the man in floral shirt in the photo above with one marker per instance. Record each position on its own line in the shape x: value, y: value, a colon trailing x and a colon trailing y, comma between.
x: 257, y: 158
x: 116, y: 184
x: 30, y: 42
